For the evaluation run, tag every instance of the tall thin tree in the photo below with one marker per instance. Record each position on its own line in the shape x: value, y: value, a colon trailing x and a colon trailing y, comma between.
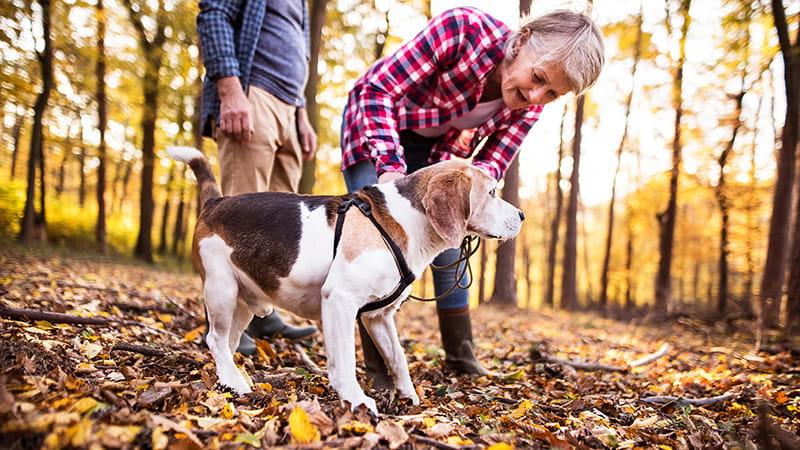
x: 555, y: 223
x: 318, y: 9
x: 637, y: 53
x: 775, y: 265
x: 102, y: 123
x: 30, y: 218
x: 667, y: 218
x: 152, y: 49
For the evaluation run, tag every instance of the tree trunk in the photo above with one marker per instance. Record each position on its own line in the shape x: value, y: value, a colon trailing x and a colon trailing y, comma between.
x: 667, y: 218
x: 16, y: 135
x: 29, y: 217
x: 317, y: 22
x: 62, y: 169
x: 724, y: 206
x: 81, y: 173
x: 629, y: 285
x: 505, y: 279
x: 162, y: 246
x: 775, y: 265
x: 102, y: 121
x: 126, y: 178
x: 610, y: 231
x: 152, y: 51
x: 178, y: 230
x: 555, y: 224
x: 569, y: 294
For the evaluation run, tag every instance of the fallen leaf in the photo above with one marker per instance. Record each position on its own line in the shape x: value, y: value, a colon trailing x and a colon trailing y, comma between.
x: 301, y: 428
x: 392, y: 432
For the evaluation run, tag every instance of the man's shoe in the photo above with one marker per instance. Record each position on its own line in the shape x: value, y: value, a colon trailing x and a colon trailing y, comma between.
x: 456, y: 330
x: 373, y: 361
x: 247, y: 346
x: 272, y: 325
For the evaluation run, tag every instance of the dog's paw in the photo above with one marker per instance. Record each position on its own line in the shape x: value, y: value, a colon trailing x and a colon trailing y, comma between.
x: 411, y: 396
x: 366, y: 401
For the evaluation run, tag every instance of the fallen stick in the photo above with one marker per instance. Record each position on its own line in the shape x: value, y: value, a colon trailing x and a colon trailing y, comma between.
x: 662, y: 351
x: 437, y: 444
x: 141, y: 349
x: 31, y: 315
x: 306, y: 360
x: 690, y: 401
x: 580, y: 365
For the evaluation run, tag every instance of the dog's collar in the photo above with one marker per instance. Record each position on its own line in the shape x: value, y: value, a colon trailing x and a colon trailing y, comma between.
x: 406, y: 275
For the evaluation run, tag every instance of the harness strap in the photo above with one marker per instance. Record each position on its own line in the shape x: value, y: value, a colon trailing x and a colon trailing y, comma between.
x: 406, y: 275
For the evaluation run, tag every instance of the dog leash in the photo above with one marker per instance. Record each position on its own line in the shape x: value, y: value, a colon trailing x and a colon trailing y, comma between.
x: 407, y: 277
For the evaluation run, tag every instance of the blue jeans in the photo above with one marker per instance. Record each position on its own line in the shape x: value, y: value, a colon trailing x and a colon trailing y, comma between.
x: 417, y: 149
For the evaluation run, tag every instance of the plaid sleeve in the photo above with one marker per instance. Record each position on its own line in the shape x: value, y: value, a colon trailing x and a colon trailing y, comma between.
x: 215, y: 27
x: 436, y: 47
x: 500, y: 148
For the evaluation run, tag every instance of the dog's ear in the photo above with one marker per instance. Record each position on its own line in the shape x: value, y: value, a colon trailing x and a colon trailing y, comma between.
x: 447, y: 205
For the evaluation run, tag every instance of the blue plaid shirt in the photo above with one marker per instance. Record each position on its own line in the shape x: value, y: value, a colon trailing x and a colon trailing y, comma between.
x: 227, y: 49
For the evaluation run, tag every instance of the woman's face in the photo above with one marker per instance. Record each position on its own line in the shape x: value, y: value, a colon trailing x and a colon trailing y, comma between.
x: 524, y: 84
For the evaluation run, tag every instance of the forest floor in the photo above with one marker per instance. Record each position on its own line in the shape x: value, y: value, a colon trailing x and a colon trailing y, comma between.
x: 148, y: 383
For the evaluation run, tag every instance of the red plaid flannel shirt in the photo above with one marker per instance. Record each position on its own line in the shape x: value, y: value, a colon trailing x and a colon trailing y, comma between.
x: 432, y: 79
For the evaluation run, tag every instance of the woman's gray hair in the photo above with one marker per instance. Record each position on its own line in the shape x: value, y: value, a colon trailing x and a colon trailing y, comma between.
x: 570, y: 38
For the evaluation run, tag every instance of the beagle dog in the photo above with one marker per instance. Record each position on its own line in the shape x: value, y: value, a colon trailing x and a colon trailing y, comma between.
x: 256, y: 249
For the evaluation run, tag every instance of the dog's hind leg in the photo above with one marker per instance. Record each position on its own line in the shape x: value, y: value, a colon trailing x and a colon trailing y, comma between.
x: 241, y: 318
x: 220, y: 290
x: 339, y: 319
x: 382, y: 330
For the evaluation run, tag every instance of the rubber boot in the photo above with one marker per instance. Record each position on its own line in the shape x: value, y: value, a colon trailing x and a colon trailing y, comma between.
x: 272, y: 325
x: 373, y: 361
x: 456, y: 330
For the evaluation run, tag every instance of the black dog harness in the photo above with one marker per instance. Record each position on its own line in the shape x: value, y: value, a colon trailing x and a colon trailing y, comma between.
x: 406, y: 275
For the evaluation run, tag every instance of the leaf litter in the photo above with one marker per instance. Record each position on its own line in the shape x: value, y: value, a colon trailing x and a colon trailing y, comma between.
x: 126, y: 386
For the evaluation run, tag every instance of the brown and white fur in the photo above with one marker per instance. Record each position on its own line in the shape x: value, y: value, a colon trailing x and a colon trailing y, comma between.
x: 277, y: 248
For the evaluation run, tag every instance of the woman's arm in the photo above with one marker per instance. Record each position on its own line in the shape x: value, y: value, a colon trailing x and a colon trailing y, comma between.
x: 500, y: 148
x: 443, y: 43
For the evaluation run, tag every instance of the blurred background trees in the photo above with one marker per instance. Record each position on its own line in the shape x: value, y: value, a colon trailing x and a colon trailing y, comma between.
x: 670, y: 189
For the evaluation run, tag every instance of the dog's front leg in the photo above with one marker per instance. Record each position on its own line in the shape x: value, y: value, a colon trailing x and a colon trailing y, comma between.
x: 339, y: 319
x: 382, y: 330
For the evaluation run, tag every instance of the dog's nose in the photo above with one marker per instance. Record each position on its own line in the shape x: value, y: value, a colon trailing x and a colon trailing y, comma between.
x: 521, y: 215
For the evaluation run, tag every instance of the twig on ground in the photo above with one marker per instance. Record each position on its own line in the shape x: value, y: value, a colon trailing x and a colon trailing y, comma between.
x: 437, y: 444
x: 141, y: 349
x: 537, y: 355
x: 306, y: 360
x: 31, y: 315
x: 691, y: 401
x: 662, y: 351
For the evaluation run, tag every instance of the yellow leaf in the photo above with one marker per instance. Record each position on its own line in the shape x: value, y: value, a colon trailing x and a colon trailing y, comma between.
x: 165, y: 318
x: 78, y: 435
x: 429, y: 422
x: 357, y: 427
x: 228, y: 411
x: 191, y: 335
x: 86, y: 404
x: 159, y: 439
x: 43, y: 324
x: 266, y: 387
x: 303, y: 431
x: 523, y: 408
x: 500, y: 446
x: 458, y: 440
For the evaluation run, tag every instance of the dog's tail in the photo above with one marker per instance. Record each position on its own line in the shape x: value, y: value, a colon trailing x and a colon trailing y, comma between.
x: 206, y: 183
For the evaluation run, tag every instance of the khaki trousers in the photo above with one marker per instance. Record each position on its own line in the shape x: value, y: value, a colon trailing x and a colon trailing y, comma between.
x: 272, y: 160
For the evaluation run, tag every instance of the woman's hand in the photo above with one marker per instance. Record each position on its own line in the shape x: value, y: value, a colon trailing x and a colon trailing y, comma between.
x: 306, y: 134
x: 389, y: 176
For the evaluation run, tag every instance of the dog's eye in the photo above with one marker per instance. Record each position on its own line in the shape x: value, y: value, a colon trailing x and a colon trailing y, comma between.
x: 493, y: 193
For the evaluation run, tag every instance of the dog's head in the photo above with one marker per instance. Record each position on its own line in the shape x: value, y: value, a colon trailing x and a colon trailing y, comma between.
x: 460, y: 199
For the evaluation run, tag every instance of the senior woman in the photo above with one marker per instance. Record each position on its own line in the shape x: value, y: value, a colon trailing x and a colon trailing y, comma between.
x: 465, y: 71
